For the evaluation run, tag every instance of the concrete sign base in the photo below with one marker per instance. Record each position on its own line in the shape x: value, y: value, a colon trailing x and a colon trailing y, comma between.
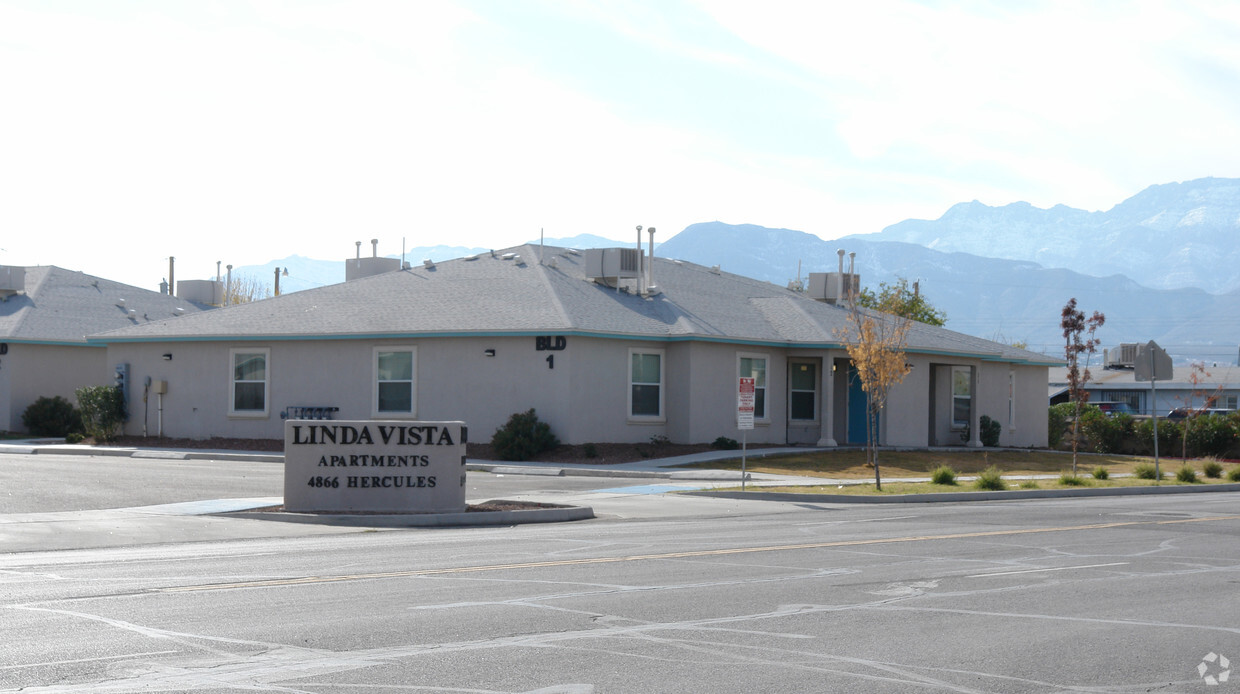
x: 374, y: 466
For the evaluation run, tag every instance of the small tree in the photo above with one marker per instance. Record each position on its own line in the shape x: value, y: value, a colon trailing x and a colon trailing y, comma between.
x: 1197, y: 377
x: 103, y: 411
x: 898, y: 300
x: 1075, y: 324
x: 875, y: 343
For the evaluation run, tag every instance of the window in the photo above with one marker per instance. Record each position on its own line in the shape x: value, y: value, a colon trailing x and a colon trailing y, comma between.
x: 249, y: 382
x: 645, y: 384
x: 802, y: 391
x: 395, y: 368
x: 962, y: 387
x: 1227, y: 402
x: 754, y: 366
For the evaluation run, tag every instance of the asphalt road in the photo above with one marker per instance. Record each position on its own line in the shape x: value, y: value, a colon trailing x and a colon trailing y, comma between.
x: 660, y: 594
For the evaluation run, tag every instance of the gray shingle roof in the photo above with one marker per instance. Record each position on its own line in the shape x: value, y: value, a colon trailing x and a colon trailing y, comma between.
x: 63, y: 307
x: 490, y: 295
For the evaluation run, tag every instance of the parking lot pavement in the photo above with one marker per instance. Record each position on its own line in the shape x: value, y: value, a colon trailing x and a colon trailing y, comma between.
x: 52, y: 500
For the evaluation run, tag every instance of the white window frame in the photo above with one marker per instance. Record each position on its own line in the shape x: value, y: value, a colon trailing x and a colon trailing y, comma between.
x: 413, y: 383
x: 765, y: 418
x: 968, y: 371
x: 232, y: 382
x: 817, y: 390
x: 628, y: 368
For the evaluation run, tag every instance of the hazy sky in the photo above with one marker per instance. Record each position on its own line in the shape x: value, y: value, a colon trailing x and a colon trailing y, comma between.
x: 245, y: 132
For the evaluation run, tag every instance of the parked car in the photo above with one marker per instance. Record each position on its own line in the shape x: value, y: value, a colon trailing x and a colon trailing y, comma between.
x: 1112, y: 409
x: 1183, y: 412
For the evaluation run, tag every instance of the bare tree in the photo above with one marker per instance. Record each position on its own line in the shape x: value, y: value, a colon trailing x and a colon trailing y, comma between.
x: 242, y: 289
x: 1075, y: 324
x: 875, y: 342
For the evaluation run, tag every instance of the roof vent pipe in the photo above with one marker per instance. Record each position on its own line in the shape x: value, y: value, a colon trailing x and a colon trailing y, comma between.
x: 650, y: 263
x: 171, y: 276
x: 641, y: 277
x: 374, y: 248
x: 851, y: 258
x: 840, y: 275
x: 359, y: 253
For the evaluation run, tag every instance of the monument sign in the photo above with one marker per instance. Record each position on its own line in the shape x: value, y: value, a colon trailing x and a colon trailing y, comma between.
x: 374, y: 466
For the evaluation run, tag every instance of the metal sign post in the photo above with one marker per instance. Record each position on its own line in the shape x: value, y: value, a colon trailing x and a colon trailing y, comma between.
x: 744, y: 415
x: 1153, y: 364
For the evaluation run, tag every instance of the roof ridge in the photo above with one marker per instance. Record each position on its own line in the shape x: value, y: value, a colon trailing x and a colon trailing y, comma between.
x: 555, y: 296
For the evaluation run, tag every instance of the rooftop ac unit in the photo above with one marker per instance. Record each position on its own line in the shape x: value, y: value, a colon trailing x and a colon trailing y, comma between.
x: 826, y: 286
x: 611, y: 263
x: 1122, y: 357
x: 12, y: 280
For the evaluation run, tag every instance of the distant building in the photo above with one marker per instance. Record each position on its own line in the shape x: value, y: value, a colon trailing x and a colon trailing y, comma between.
x: 46, y: 312
x: 606, y: 348
x: 1220, y: 384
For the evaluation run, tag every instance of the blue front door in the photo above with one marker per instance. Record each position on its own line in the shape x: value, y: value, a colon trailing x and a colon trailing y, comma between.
x: 856, y: 408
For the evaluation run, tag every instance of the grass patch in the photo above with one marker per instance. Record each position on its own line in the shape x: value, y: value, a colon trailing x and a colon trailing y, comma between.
x: 943, y: 475
x: 1145, y: 471
x: 991, y: 480
x: 1212, y: 469
x: 1030, y: 484
x: 1101, y: 473
x: 1233, y: 475
x: 849, y: 463
x: 1186, y: 474
x: 1068, y: 479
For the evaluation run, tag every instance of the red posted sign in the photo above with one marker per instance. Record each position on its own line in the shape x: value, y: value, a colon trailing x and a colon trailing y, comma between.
x: 745, y: 403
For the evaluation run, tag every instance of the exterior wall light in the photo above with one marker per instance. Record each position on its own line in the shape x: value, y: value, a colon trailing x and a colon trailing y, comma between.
x: 168, y: 357
x: 489, y: 352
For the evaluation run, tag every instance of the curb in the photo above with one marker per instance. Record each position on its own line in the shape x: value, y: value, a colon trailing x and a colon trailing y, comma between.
x: 557, y: 514
x: 1015, y: 494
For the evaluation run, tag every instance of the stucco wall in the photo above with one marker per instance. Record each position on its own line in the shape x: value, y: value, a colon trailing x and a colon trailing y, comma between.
x: 904, y: 420
x: 582, y: 393
x: 31, y: 371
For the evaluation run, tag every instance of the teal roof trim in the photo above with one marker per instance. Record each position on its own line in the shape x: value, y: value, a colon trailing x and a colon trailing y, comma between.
x: 100, y: 340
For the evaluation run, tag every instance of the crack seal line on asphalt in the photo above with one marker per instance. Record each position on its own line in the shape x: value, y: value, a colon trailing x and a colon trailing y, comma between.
x: 312, y: 580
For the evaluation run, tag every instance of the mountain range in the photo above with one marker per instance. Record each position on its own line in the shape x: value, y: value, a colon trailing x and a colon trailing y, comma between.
x: 1160, y: 265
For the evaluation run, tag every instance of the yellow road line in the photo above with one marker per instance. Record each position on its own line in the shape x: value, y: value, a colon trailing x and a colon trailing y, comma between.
x: 309, y: 580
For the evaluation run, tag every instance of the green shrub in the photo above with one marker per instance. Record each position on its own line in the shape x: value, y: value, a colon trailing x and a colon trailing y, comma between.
x: 103, y: 411
x: 523, y: 437
x: 1106, y: 434
x: 724, y: 443
x: 589, y: 450
x: 1186, y: 474
x: 1169, y: 434
x: 991, y: 479
x: 1212, y: 469
x: 1070, y: 480
x: 990, y: 431
x: 1100, y: 473
x: 1144, y: 471
x: 1057, y: 421
x: 660, y: 440
x: 1233, y: 475
x: 943, y: 474
x: 1211, y: 434
x: 1029, y: 484
x: 74, y: 437
x: 52, y: 416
